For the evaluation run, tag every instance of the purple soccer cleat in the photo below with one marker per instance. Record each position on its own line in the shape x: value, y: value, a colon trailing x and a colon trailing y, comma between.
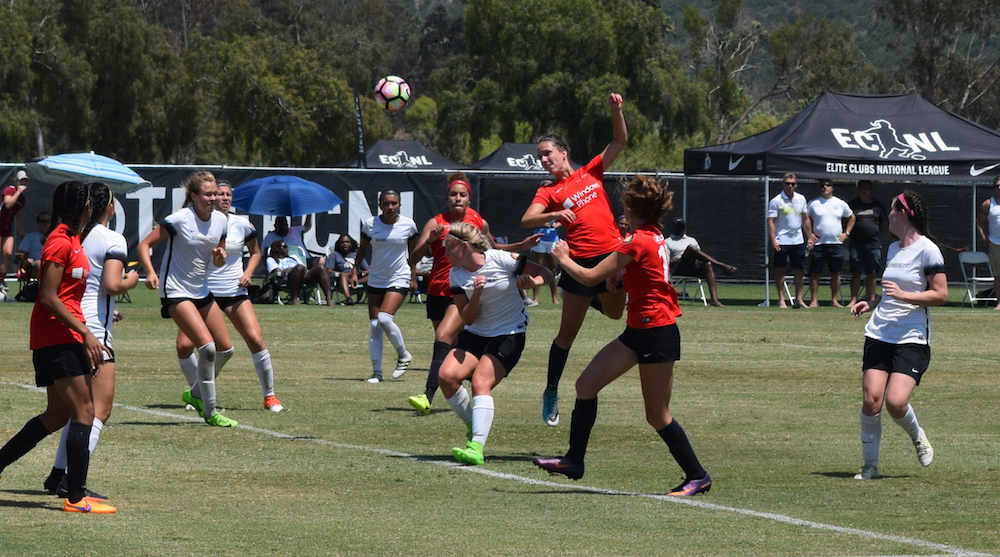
x: 560, y: 465
x: 692, y: 487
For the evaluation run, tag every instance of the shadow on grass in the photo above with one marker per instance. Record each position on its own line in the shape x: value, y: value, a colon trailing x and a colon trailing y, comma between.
x: 31, y: 504
x: 850, y: 475
x: 411, y: 410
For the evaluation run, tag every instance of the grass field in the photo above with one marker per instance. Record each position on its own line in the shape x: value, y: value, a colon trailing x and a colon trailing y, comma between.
x: 770, y: 399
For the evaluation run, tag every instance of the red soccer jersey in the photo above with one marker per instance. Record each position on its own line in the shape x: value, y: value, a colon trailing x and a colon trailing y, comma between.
x: 65, y: 250
x: 594, y: 232
x: 652, y: 301
x: 7, y: 215
x: 438, y: 284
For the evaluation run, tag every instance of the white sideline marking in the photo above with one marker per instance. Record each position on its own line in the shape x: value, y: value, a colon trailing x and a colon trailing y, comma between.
x: 692, y: 502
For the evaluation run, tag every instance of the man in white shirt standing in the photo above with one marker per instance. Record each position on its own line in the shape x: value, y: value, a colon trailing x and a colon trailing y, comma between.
x: 828, y: 215
x: 788, y: 225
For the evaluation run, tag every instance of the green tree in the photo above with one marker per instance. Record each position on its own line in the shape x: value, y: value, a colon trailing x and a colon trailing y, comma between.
x: 951, y: 52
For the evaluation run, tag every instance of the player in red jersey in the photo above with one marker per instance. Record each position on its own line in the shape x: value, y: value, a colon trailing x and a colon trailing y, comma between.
x: 441, y: 309
x: 651, y: 338
x: 578, y: 201
x: 64, y: 351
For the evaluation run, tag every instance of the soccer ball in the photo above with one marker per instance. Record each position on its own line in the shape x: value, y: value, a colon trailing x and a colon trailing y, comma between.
x: 392, y: 92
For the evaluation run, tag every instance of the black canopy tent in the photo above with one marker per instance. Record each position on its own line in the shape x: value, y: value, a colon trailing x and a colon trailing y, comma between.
x: 513, y: 157
x: 390, y: 154
x: 850, y: 137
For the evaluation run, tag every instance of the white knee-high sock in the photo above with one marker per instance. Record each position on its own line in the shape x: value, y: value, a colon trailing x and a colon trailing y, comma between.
x: 95, y: 434
x: 60, y: 461
x: 871, y: 437
x: 909, y: 423
x: 189, y: 367
x: 388, y: 324
x: 375, y: 345
x: 459, y: 402
x: 482, y: 417
x: 221, y: 357
x: 262, y: 364
x: 206, y: 377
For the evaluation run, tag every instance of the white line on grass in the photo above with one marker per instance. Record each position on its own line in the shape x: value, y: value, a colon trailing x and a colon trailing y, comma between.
x: 946, y: 549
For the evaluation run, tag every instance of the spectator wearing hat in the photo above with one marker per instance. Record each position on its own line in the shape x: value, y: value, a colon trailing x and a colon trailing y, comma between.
x: 828, y: 215
x: 687, y: 259
x: 10, y: 211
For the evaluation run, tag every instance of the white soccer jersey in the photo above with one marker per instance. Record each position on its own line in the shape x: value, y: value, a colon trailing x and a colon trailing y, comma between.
x: 225, y: 281
x: 897, y: 322
x: 788, y: 218
x: 187, y: 260
x: 827, y: 218
x: 993, y: 221
x: 501, y: 308
x: 389, y: 266
x: 100, y: 245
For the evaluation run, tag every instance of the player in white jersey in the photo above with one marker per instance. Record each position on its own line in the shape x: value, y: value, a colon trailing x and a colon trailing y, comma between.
x: 107, y: 253
x: 897, y: 344
x: 229, y: 288
x: 487, y: 287
x: 196, y: 238
x: 392, y: 237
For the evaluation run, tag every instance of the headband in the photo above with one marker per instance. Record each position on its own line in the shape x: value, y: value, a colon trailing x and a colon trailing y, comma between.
x: 460, y: 182
x: 905, y: 206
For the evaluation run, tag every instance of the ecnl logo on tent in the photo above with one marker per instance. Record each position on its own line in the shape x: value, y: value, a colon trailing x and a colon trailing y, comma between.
x: 527, y: 162
x: 402, y: 160
x: 882, y: 138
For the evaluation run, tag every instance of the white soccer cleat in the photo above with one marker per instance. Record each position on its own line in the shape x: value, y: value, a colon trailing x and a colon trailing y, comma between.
x: 402, y: 365
x: 925, y: 452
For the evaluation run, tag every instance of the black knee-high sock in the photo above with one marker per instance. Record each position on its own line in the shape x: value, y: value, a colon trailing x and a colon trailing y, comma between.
x: 584, y: 416
x: 77, y: 460
x: 675, y: 438
x: 441, y: 350
x: 557, y: 363
x: 23, y: 441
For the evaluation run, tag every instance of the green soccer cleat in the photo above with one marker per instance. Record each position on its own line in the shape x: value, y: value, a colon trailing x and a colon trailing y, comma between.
x: 196, y: 402
x: 218, y: 420
x: 471, y: 454
x: 421, y: 403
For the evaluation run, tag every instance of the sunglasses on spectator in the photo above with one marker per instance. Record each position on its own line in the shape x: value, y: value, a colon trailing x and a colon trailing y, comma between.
x: 791, y: 183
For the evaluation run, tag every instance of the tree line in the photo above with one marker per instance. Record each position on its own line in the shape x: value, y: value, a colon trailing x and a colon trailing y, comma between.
x: 271, y: 82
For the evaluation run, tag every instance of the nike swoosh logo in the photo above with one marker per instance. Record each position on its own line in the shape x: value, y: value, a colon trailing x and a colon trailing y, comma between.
x: 733, y: 164
x: 85, y: 509
x: 647, y: 355
x: 977, y: 171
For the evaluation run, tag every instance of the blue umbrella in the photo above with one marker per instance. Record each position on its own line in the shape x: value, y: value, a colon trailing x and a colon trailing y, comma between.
x: 288, y: 196
x: 86, y: 167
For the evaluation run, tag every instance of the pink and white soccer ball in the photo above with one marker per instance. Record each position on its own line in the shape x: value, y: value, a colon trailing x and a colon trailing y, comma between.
x: 392, y: 92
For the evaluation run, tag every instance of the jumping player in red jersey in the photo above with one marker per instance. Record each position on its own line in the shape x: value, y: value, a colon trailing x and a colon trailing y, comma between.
x: 578, y: 201
x: 441, y: 309
x: 64, y: 351
x: 651, y: 338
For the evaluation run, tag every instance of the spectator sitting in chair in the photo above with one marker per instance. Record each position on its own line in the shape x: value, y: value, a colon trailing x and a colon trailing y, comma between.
x: 338, y: 266
x: 687, y: 259
x: 294, y: 271
x: 31, y: 245
x: 292, y: 235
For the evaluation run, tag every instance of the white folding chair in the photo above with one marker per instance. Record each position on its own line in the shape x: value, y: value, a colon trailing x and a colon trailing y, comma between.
x: 683, y: 282
x: 974, y: 264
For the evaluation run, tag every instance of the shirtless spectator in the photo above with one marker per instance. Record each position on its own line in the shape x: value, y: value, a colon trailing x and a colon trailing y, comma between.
x: 687, y: 259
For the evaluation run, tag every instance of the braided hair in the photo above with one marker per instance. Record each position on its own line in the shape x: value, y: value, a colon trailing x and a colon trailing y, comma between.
x: 917, y: 213
x: 100, y: 200
x: 555, y: 139
x: 647, y: 198
x: 69, y: 203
